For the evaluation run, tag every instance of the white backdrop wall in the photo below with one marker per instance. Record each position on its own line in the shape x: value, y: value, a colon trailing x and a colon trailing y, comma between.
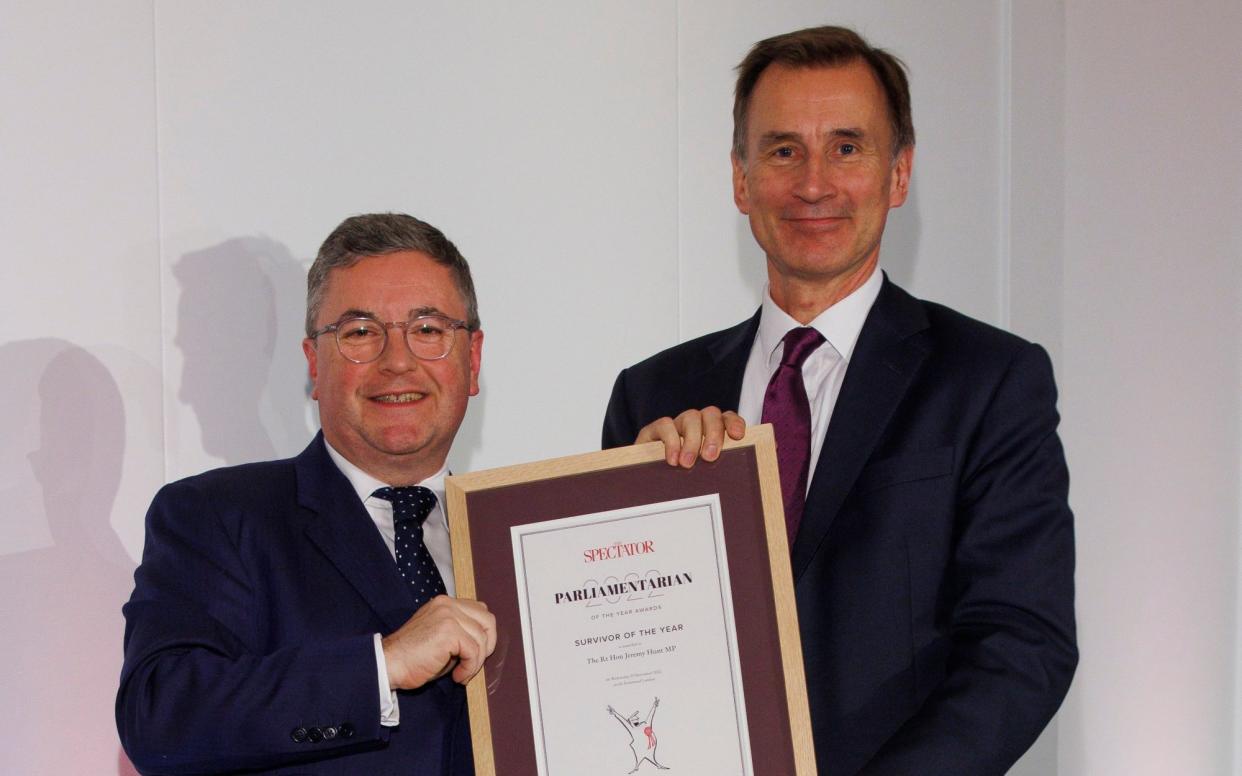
x: 167, y: 171
x: 1151, y: 383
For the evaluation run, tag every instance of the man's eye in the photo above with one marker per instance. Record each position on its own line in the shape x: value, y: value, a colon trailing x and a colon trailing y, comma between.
x: 848, y: 148
x: 427, y: 330
x: 783, y: 152
x: 359, y: 331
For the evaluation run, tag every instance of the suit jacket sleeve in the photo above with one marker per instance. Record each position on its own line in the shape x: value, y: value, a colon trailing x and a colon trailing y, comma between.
x: 199, y: 692
x: 1010, y: 597
x: 620, y: 427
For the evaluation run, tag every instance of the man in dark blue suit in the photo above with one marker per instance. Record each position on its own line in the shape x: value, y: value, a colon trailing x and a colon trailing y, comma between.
x: 270, y: 628
x: 925, y: 486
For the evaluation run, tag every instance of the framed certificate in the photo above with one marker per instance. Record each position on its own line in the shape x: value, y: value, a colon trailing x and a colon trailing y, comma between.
x: 645, y: 615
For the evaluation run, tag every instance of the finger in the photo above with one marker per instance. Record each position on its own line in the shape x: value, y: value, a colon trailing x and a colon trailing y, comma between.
x: 492, y: 635
x: 466, y: 670
x: 713, y: 433
x: 445, y: 629
x: 471, y: 651
x: 479, y: 613
x: 478, y: 630
x: 472, y: 623
x: 655, y: 431
x: 735, y: 425
x: 690, y: 424
x: 449, y: 665
x: 662, y: 430
x: 469, y: 661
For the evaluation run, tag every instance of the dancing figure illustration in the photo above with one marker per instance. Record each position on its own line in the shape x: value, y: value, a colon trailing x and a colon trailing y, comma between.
x: 642, y: 735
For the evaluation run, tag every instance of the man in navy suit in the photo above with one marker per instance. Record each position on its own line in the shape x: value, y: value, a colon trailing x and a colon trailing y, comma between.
x: 925, y: 486
x: 270, y: 628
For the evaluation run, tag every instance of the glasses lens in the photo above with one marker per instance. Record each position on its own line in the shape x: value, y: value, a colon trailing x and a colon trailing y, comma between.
x: 360, y: 339
x: 430, y: 337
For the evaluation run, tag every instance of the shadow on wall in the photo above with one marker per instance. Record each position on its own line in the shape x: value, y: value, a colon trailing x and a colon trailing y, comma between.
x: 240, y: 325
x: 898, y: 253
x: 62, y: 613
x: 752, y: 265
x: 469, y: 440
x: 900, y: 249
x: 239, y: 330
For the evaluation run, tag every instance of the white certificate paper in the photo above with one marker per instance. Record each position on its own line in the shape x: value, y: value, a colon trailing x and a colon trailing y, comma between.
x: 631, y: 650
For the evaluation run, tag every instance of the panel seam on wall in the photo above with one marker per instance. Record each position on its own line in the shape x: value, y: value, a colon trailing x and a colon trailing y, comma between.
x: 159, y: 238
x: 1004, y: 253
x: 681, y: 324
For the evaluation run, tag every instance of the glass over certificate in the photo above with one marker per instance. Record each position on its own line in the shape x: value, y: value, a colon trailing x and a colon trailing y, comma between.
x: 630, y: 644
x: 645, y: 615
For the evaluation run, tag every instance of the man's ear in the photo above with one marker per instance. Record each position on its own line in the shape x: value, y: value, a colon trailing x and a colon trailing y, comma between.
x: 312, y: 365
x: 903, y: 166
x: 476, y: 360
x: 741, y: 196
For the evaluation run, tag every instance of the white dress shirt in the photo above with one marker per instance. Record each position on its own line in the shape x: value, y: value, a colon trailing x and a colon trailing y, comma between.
x: 435, y: 536
x: 823, y: 372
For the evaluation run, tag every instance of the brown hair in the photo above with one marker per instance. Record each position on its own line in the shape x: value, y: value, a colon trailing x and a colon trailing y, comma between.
x: 824, y: 47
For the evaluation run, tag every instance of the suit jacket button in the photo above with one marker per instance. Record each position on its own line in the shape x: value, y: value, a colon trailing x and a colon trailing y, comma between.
x: 298, y: 735
x: 329, y: 733
x: 314, y: 735
x: 346, y: 730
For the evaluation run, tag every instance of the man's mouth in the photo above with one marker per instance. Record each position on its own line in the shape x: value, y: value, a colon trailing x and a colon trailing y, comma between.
x: 820, y: 217
x: 816, y: 223
x: 398, y: 398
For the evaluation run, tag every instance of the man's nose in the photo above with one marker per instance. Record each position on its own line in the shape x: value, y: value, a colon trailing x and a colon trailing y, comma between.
x: 397, y: 356
x: 816, y: 179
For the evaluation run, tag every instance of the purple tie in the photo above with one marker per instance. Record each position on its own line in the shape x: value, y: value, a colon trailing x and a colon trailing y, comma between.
x: 410, y: 507
x: 786, y: 407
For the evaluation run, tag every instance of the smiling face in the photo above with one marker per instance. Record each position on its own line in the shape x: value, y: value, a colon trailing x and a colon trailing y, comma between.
x: 395, y: 417
x: 819, y: 178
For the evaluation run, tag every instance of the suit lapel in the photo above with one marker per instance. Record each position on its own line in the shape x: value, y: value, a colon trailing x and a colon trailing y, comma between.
x: 345, y: 533
x: 885, y: 361
x: 721, y: 384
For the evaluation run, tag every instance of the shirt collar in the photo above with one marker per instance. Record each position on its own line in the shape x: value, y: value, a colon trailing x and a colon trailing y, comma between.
x: 840, y: 324
x: 364, y: 484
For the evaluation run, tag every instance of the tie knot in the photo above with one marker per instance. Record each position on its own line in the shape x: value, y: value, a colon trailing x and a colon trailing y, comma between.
x: 800, y: 343
x: 408, y: 503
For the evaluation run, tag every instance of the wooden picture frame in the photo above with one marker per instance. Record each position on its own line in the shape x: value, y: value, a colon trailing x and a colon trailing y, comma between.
x: 484, y: 507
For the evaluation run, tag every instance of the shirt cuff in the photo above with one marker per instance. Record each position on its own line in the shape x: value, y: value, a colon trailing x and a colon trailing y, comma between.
x: 390, y: 711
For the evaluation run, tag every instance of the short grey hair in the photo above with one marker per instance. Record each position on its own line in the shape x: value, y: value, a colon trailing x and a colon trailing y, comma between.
x: 376, y: 234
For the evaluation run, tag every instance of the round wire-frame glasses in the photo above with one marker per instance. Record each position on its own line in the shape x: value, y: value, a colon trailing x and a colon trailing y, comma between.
x: 362, y: 339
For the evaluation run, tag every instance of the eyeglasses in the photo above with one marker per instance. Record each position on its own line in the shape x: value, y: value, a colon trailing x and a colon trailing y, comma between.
x: 362, y: 339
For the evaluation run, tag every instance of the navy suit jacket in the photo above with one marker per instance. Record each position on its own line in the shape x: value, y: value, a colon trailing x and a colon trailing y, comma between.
x: 248, y: 638
x: 934, y: 564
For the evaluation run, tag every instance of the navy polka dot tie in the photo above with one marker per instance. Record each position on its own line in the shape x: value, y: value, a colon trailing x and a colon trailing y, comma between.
x: 410, y: 507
